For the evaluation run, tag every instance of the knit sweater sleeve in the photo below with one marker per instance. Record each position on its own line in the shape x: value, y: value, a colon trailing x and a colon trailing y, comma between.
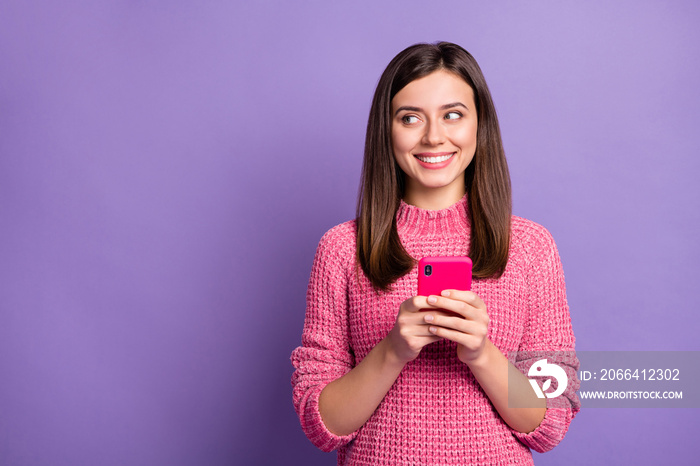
x: 325, y: 354
x: 548, y: 334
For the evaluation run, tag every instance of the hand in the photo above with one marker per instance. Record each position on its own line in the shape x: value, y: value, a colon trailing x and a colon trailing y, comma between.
x: 410, y: 332
x: 469, y: 328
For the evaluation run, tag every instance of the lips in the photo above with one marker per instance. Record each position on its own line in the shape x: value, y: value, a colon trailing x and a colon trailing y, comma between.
x: 434, y: 160
x: 434, y: 157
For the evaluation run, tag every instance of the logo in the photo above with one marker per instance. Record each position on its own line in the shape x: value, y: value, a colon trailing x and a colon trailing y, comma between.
x: 544, y: 369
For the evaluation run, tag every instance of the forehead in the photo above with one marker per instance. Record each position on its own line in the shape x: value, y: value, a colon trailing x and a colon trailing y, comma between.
x: 438, y: 88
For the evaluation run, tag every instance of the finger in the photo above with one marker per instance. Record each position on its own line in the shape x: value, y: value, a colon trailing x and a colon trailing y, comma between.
x: 458, y: 324
x: 467, y: 339
x: 431, y: 338
x: 468, y: 297
x: 454, y: 306
x: 423, y: 335
x: 415, y: 304
x: 410, y: 322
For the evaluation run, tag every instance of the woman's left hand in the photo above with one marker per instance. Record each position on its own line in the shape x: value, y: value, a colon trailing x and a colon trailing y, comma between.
x: 469, y: 328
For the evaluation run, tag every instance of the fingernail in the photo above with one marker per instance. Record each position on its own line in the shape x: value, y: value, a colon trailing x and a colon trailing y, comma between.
x: 429, y: 318
x: 445, y: 293
x: 433, y: 329
x: 432, y: 299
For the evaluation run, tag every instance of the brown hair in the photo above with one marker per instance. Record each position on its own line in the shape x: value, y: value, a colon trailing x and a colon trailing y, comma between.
x: 379, y: 250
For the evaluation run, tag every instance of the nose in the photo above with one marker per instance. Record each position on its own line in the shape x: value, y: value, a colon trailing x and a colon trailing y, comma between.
x: 434, y: 134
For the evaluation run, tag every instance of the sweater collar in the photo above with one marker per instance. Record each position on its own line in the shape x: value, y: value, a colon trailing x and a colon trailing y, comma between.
x: 452, y: 221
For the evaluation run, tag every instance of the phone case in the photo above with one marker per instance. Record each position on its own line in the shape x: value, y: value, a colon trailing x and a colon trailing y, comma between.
x: 443, y: 273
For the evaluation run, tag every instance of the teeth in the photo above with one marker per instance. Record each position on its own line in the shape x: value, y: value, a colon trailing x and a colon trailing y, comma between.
x: 434, y: 159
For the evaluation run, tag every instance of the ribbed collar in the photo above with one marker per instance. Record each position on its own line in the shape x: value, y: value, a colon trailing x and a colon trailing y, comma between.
x: 452, y: 221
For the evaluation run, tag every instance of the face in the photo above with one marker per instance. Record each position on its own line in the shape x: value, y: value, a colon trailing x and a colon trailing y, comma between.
x: 433, y: 133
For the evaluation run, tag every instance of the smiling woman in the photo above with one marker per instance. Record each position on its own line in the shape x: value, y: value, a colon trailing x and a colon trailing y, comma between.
x: 388, y: 377
x: 384, y: 183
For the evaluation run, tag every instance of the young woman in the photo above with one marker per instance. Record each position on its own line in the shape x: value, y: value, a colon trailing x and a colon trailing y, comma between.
x: 383, y: 375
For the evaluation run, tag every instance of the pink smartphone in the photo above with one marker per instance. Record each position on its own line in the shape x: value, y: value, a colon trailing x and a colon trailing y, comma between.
x: 444, y: 273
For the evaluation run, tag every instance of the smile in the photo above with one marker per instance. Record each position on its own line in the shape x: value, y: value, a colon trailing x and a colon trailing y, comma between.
x: 434, y: 158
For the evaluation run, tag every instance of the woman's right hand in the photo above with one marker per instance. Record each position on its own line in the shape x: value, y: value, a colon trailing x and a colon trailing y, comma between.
x: 411, y: 331
x: 346, y: 403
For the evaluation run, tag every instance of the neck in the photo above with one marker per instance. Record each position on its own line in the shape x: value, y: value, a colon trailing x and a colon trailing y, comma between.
x: 451, y: 222
x: 434, y: 198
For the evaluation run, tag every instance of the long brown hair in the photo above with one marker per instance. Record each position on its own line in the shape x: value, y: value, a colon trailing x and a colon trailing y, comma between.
x: 379, y: 250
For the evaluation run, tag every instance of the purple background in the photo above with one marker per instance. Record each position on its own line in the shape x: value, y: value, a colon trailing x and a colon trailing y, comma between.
x: 167, y: 169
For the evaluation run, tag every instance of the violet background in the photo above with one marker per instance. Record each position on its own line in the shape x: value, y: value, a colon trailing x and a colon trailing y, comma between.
x: 167, y: 169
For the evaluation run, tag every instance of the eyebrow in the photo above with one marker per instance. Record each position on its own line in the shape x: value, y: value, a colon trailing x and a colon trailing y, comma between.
x: 418, y: 109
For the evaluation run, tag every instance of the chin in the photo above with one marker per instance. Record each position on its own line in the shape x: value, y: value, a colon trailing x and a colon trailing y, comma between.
x: 437, y: 184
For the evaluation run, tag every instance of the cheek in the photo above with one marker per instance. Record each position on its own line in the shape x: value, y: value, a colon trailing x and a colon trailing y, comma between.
x: 399, y: 142
x: 401, y: 151
x: 467, y: 136
x: 405, y: 140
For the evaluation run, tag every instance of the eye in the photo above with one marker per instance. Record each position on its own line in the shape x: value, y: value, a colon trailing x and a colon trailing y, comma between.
x: 453, y: 116
x: 409, y: 119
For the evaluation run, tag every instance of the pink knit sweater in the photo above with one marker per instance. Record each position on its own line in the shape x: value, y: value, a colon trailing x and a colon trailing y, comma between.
x: 435, y: 413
